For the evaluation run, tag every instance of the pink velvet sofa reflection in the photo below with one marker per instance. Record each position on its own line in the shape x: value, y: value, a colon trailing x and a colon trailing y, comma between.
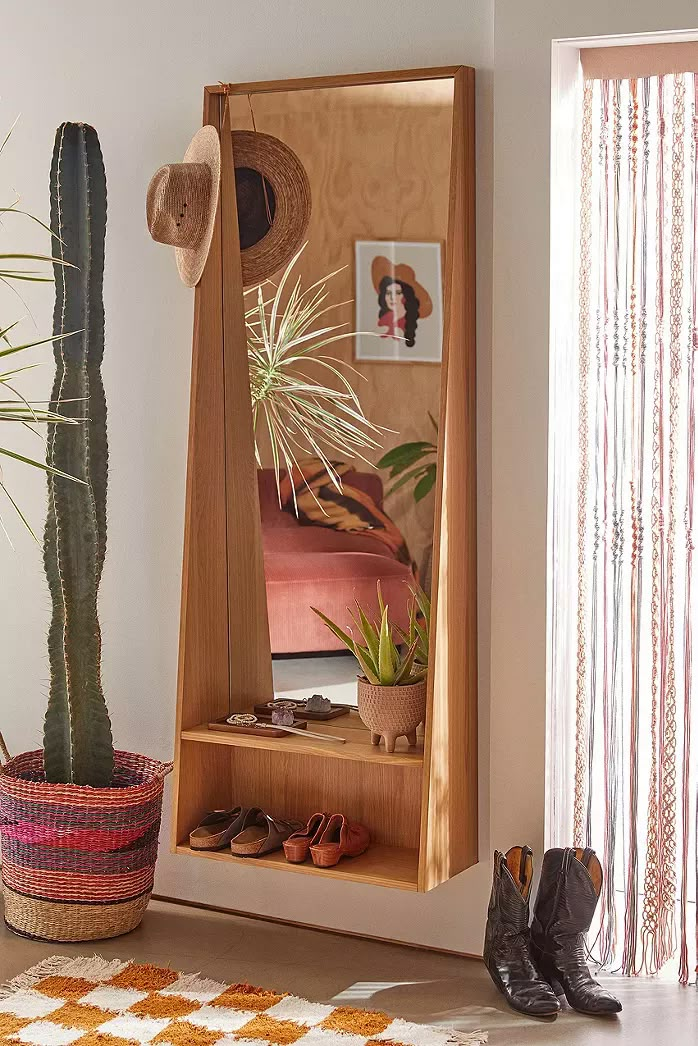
x: 317, y: 566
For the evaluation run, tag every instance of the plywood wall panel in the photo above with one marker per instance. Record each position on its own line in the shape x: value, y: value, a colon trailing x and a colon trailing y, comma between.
x: 378, y: 160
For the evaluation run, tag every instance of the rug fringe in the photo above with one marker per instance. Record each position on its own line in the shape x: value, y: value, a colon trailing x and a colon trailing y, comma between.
x: 47, y: 968
x: 92, y: 968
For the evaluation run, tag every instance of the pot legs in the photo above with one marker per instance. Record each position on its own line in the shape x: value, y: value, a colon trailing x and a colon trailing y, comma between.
x: 390, y: 739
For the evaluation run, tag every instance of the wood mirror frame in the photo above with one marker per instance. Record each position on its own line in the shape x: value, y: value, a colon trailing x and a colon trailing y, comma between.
x: 422, y: 807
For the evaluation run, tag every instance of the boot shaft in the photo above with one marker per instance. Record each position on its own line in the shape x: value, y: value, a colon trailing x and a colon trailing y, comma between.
x: 568, y: 892
x: 508, y: 911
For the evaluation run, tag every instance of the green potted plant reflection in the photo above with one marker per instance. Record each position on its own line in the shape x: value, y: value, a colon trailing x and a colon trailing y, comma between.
x: 301, y: 396
x: 392, y: 691
x: 414, y: 463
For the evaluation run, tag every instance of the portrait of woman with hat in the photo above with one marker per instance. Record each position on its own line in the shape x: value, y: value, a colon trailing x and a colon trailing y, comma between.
x: 402, y: 301
x: 398, y: 290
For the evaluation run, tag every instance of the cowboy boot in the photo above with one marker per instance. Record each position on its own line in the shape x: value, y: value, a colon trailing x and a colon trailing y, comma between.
x: 569, y: 889
x: 507, y: 951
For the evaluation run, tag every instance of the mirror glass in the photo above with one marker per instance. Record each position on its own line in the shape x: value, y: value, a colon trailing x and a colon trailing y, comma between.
x: 353, y: 399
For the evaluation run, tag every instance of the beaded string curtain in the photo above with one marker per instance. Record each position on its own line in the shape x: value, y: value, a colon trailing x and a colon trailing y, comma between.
x: 623, y: 482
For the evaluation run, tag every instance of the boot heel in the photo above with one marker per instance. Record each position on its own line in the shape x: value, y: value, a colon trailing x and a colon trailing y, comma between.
x: 548, y: 972
x: 556, y: 986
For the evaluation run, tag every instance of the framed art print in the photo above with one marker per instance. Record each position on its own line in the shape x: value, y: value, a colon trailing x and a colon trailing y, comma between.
x: 399, y: 302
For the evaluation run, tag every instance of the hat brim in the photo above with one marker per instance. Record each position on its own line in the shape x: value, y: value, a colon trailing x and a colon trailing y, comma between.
x: 281, y: 168
x: 382, y: 267
x: 205, y: 147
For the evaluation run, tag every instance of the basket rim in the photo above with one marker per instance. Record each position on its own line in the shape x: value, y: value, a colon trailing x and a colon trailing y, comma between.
x: 153, y: 769
x: 399, y: 686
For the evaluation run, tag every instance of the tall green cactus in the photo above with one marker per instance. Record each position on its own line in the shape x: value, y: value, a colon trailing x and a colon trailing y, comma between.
x: 77, y: 732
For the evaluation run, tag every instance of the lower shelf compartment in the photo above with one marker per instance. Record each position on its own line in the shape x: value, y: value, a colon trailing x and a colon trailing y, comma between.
x: 394, y: 866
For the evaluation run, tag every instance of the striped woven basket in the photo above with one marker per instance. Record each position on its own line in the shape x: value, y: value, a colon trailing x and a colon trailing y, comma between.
x: 78, y: 862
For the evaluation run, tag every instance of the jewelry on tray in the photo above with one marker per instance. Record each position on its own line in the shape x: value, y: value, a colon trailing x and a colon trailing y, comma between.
x: 242, y: 719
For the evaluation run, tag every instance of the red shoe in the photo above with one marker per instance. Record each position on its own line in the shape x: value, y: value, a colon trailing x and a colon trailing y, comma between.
x: 297, y: 846
x: 340, y: 838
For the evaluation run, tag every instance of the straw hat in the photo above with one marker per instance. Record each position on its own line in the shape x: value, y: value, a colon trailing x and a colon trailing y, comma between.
x: 182, y: 200
x: 273, y: 202
x: 384, y: 267
x: 270, y: 183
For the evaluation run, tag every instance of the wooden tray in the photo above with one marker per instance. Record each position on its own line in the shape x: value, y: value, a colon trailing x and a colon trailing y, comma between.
x: 301, y: 715
x: 277, y: 731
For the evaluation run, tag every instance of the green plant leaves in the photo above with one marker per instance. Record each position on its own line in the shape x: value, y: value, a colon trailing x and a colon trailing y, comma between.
x: 386, y: 652
x: 369, y: 634
x: 340, y: 634
x: 401, y: 459
x: 380, y: 658
x: 405, y: 455
x: 369, y: 668
x: 426, y: 483
x: 303, y: 416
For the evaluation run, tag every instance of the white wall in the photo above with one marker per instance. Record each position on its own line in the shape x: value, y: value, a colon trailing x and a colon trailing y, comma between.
x: 136, y: 71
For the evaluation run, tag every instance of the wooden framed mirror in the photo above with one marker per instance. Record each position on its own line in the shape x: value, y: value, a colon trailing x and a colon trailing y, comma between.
x: 390, y: 163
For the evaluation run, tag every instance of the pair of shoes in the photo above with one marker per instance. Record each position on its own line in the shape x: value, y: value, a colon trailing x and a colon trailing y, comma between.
x: 531, y: 966
x: 250, y: 832
x: 327, y: 838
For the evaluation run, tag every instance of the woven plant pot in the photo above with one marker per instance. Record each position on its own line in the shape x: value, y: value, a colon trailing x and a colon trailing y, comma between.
x: 78, y: 862
x: 392, y: 711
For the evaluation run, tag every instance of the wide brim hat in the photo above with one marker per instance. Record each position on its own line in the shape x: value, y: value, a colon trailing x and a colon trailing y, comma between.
x: 182, y: 200
x: 273, y: 202
x: 382, y: 267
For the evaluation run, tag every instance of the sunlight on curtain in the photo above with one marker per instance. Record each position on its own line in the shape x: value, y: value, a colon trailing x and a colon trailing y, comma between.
x: 623, y: 615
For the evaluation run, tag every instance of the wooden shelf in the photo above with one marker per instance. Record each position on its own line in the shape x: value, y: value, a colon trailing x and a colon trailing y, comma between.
x: 358, y: 747
x: 393, y: 866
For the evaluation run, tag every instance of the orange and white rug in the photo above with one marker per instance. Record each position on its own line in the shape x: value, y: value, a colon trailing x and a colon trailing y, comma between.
x: 100, y: 1002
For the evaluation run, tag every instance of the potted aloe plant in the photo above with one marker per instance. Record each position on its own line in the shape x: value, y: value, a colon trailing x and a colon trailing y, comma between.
x: 392, y: 691
x: 79, y: 821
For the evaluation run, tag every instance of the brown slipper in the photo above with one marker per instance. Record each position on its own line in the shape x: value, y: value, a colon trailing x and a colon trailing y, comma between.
x: 340, y: 838
x: 217, y: 829
x: 297, y: 846
x: 261, y: 834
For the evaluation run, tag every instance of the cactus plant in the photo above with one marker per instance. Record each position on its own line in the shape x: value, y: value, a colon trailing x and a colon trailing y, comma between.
x: 77, y: 732
x: 15, y: 409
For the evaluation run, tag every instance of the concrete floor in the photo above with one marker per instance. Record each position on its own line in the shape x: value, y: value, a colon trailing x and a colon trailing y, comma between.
x: 405, y: 982
x: 333, y: 676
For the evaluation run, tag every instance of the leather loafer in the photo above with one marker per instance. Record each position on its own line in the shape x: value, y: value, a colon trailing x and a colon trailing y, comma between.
x: 339, y: 838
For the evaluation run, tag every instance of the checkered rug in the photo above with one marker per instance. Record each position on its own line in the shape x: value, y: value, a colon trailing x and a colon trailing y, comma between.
x: 100, y: 1002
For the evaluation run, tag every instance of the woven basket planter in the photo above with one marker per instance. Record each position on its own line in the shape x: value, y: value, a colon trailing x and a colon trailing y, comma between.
x: 78, y: 862
x: 392, y: 711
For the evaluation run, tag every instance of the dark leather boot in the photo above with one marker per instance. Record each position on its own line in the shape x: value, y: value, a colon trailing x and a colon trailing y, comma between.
x: 507, y: 951
x: 570, y: 885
